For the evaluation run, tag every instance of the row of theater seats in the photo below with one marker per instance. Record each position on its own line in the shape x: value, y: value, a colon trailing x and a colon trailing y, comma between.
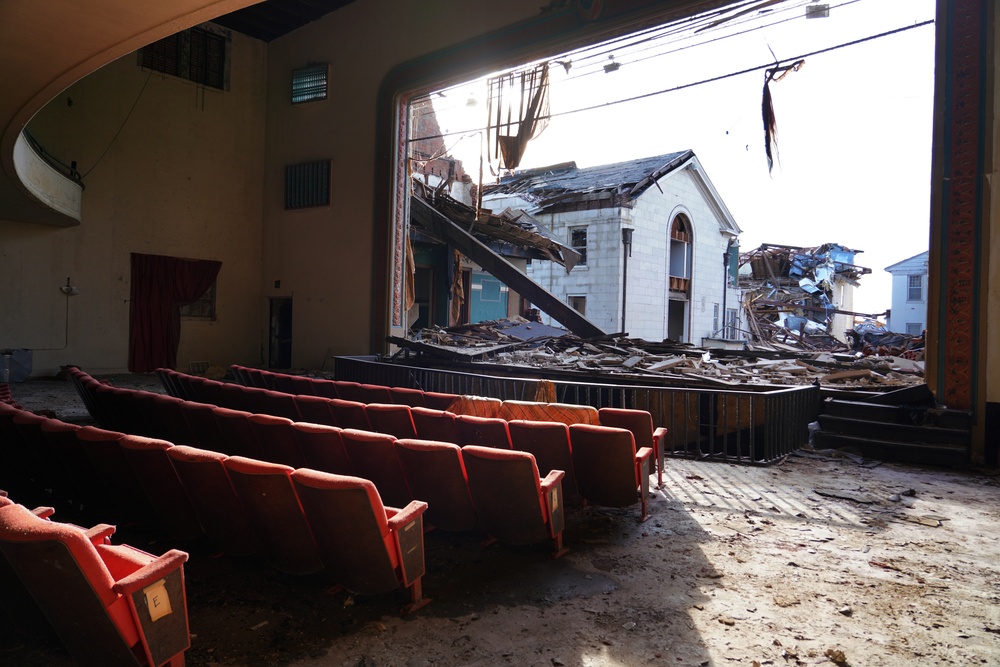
x: 348, y: 391
x: 108, y: 604
x: 468, y: 420
x: 602, y: 464
x: 302, y: 521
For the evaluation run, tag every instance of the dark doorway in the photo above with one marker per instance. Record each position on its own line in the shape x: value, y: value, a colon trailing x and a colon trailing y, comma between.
x: 280, y: 349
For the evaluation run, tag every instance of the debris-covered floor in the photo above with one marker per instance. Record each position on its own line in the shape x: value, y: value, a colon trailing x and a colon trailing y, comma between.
x: 817, y: 561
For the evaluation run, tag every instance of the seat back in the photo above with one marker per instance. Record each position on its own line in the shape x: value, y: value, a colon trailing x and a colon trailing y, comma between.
x: 563, y: 413
x: 322, y: 448
x: 507, y: 493
x: 106, y: 456
x: 301, y: 385
x: 267, y: 494
x: 215, y: 502
x: 78, y: 476
x: 325, y: 388
x: 315, y: 410
x: 349, y: 414
x: 434, y: 424
x: 282, y: 404
x: 373, y: 457
x: 164, y: 489
x: 238, y: 436
x: 435, y: 473
x: 483, y: 431
x: 172, y: 416
x: 406, y: 396
x: 476, y: 406
x: 149, y: 422
x: 350, y: 391
x: 604, y: 463
x: 549, y: 443
x: 392, y: 419
x: 204, y: 428
x: 277, y: 440
x: 255, y: 400
x: 351, y: 529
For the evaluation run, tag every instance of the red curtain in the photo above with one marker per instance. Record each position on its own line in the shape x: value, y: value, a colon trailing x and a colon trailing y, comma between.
x: 160, y: 286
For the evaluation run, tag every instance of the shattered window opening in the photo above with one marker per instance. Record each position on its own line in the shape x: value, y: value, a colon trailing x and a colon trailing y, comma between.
x: 578, y: 241
x: 578, y: 303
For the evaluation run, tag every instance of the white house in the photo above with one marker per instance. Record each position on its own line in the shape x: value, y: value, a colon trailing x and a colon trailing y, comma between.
x: 909, y: 295
x: 679, y: 280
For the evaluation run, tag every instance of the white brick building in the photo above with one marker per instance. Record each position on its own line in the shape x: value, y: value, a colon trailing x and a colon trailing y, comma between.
x: 682, y: 232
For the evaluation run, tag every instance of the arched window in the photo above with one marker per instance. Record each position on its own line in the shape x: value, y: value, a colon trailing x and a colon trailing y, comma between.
x: 680, y: 254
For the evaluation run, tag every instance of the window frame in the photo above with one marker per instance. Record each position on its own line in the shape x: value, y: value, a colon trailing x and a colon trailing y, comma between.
x: 573, y: 231
x: 910, y: 287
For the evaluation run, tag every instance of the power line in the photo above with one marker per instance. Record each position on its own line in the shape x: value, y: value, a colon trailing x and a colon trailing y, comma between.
x: 714, y: 79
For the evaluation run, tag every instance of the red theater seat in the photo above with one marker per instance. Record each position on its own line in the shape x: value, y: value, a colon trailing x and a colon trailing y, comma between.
x: 373, y: 456
x: 609, y: 470
x: 513, y: 504
x: 484, y: 431
x: 392, y: 419
x: 369, y: 548
x: 322, y: 448
x: 436, y: 474
x: 549, y: 443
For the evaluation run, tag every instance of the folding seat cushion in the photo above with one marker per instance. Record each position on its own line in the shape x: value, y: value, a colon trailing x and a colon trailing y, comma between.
x: 114, y: 472
x: 203, y: 425
x: 485, y: 431
x: 349, y: 414
x: 437, y: 400
x: 277, y: 440
x: 164, y: 489
x: 476, y: 406
x: 436, y: 474
x: 109, y: 605
x: 512, y: 503
x: 282, y: 404
x: 406, y: 396
x: 255, y: 400
x: 239, y: 436
x: 269, y: 499
x: 220, y: 511
x: 392, y: 419
x: 368, y: 547
x: 315, y: 410
x: 549, y: 443
x: 640, y: 423
x: 322, y: 448
x: 609, y: 470
x: 373, y: 456
x: 325, y: 388
x: 172, y: 416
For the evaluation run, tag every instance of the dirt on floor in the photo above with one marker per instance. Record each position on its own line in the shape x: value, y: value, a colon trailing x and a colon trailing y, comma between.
x: 817, y: 560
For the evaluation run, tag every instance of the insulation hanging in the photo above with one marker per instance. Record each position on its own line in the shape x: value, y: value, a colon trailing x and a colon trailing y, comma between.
x: 776, y: 73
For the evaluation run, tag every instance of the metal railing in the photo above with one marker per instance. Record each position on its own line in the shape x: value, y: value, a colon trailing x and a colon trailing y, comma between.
x: 736, y: 426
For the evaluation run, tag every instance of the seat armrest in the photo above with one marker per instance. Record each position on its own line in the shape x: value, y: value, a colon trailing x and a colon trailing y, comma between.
x: 100, y: 534
x: 659, y: 435
x: 411, y: 512
x: 643, y: 454
x: 147, y: 574
x: 554, y: 477
x: 43, y: 512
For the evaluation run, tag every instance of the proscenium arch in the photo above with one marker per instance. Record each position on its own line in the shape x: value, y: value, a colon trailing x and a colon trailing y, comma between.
x: 556, y: 30
x: 962, y: 149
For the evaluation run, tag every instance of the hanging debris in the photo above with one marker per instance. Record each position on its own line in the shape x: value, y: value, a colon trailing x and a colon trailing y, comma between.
x: 776, y: 73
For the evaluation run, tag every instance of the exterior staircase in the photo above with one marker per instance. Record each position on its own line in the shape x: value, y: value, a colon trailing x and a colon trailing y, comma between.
x: 902, y: 426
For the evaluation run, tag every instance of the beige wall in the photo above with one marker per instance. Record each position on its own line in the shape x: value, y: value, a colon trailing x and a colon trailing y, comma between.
x: 182, y: 178
x: 324, y: 257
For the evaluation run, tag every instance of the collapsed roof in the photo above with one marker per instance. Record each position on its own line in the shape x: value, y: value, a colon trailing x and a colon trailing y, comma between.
x: 788, y: 293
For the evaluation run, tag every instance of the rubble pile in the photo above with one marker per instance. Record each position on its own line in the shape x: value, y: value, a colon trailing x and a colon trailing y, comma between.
x: 520, y: 343
x: 789, y: 295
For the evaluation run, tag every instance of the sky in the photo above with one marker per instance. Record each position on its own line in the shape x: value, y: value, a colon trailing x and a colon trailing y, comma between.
x: 853, y: 124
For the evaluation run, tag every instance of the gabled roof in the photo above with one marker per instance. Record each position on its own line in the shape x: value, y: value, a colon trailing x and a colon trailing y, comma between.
x: 609, y: 185
x: 918, y: 260
x: 548, y: 185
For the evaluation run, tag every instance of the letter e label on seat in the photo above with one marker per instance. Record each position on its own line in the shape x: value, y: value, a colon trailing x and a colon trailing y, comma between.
x: 157, y: 600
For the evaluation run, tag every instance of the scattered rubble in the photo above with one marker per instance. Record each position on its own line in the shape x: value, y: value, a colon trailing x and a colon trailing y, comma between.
x: 518, y: 342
